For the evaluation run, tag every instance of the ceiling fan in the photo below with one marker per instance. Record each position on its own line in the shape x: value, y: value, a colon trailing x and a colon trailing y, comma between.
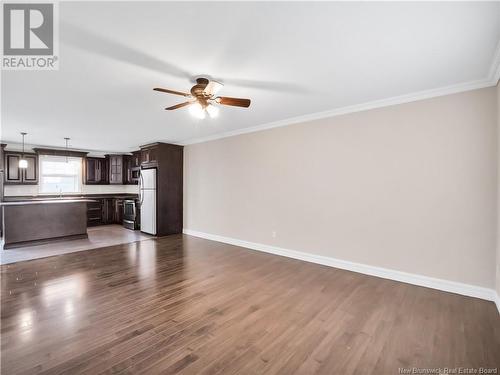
x: 202, y: 99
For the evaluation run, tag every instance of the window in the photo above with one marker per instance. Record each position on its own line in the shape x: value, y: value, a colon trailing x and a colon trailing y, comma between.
x: 60, y: 174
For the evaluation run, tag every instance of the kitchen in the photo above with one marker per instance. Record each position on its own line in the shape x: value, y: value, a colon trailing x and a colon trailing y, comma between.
x: 62, y: 199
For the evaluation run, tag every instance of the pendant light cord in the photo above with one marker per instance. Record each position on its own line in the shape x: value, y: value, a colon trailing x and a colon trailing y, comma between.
x: 23, y: 134
x: 67, y: 154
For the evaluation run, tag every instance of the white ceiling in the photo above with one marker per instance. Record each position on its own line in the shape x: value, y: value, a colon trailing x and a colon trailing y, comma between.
x: 291, y: 59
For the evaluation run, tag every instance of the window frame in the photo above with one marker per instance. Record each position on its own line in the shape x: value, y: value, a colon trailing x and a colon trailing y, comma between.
x: 41, y: 175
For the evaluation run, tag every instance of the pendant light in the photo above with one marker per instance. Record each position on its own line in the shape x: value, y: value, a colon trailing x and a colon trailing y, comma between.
x: 23, y: 163
x: 67, y: 140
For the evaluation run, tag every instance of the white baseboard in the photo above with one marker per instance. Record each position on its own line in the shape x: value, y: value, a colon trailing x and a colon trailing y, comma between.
x: 497, y: 302
x: 429, y: 282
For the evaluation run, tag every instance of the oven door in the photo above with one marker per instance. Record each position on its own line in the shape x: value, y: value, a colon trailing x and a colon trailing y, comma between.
x: 129, y: 214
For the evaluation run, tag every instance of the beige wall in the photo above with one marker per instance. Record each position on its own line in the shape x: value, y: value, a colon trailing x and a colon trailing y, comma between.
x: 410, y: 187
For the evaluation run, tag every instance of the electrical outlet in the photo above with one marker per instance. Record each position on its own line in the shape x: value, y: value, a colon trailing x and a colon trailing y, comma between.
x: 273, y: 233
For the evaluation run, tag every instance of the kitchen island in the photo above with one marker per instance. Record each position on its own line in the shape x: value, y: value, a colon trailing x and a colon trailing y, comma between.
x: 35, y: 221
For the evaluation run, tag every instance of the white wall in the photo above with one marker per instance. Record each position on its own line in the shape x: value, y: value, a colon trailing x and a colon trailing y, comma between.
x: 410, y: 187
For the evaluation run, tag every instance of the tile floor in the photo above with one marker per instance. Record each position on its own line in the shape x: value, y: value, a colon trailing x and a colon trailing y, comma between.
x: 101, y: 236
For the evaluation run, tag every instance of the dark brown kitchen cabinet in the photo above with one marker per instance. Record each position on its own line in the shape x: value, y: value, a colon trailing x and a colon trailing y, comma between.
x: 168, y: 161
x: 105, y: 211
x: 134, y: 172
x: 131, y: 170
x: 127, y: 166
x: 95, y: 212
x: 109, y: 211
x: 12, y: 170
x: 149, y: 155
x: 116, y: 167
x: 136, y: 159
x: 118, y: 206
x: 30, y: 174
x: 15, y: 175
x: 95, y: 171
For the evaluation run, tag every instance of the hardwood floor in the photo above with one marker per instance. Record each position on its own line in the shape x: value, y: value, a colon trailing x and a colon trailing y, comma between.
x: 185, y: 305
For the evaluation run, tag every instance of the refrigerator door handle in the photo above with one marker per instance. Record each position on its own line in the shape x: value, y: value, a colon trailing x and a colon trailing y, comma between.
x: 141, y: 192
x: 140, y: 189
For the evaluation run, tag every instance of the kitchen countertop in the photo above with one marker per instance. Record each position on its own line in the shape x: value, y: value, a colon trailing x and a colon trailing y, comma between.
x: 80, y: 196
x: 45, y: 201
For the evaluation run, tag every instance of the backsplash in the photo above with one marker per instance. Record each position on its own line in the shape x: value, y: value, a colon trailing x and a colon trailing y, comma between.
x: 32, y: 190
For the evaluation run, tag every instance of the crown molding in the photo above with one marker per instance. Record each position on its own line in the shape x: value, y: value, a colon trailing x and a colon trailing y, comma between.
x: 350, y: 109
x: 491, y: 80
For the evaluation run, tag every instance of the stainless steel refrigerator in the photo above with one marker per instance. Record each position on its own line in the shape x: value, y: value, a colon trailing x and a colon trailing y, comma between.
x: 147, y: 195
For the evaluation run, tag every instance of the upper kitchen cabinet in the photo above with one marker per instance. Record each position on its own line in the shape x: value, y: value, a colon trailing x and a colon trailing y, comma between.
x: 135, y: 159
x: 95, y: 171
x: 149, y: 155
x: 12, y: 170
x: 30, y: 174
x: 116, y: 168
x: 113, y: 169
x: 15, y: 175
x: 131, y: 168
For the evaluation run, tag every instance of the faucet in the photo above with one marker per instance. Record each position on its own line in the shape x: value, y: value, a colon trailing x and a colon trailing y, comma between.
x: 60, y: 193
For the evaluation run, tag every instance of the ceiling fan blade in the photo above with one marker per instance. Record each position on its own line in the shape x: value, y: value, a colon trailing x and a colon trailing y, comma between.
x: 212, y: 88
x: 237, y: 102
x: 171, y: 92
x: 178, y: 106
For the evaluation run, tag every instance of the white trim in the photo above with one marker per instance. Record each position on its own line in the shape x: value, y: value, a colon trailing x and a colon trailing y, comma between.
x: 425, y: 281
x: 497, y: 302
x: 427, y: 94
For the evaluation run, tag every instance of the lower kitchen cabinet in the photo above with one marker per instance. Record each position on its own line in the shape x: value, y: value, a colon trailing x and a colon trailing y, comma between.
x: 118, y: 210
x: 94, y: 213
x: 109, y: 211
x: 105, y: 211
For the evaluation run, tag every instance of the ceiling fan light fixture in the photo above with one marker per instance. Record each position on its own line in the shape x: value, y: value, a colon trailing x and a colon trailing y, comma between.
x: 212, y: 88
x: 202, y: 98
x: 197, y: 111
x: 212, y: 110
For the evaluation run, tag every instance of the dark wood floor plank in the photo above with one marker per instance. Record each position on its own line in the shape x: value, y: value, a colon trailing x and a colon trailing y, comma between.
x: 182, y: 305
